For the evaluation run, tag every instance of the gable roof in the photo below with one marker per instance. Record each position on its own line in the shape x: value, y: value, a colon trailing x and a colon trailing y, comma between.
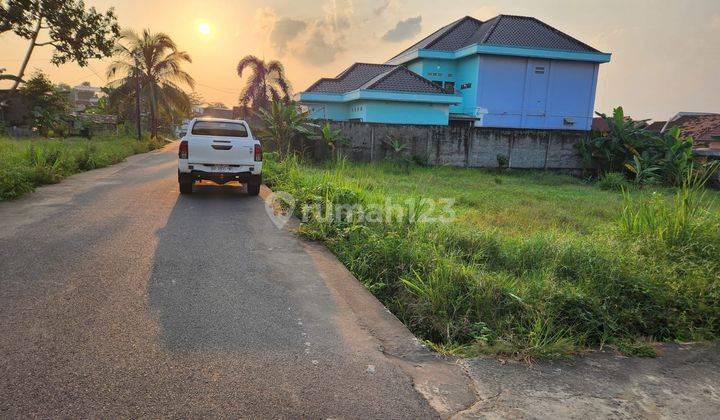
x: 381, y: 77
x: 503, y: 30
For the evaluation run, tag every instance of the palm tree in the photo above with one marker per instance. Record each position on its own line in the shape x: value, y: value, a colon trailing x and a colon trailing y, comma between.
x: 266, y: 84
x: 152, y: 61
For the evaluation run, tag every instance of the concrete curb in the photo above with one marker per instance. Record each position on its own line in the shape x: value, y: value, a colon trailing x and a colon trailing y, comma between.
x: 443, y: 383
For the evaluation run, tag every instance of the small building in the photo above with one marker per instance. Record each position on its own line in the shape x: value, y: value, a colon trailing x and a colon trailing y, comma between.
x: 84, y: 96
x: 509, y: 71
x: 703, y: 127
x: 217, y: 112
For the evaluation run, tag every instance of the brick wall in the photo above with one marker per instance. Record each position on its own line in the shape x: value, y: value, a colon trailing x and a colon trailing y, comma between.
x: 462, y: 146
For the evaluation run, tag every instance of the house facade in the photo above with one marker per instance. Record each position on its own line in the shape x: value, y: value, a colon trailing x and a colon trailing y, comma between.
x: 510, y: 72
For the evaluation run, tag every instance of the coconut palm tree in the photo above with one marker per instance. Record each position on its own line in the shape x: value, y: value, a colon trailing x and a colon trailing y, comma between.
x: 266, y: 84
x: 152, y: 61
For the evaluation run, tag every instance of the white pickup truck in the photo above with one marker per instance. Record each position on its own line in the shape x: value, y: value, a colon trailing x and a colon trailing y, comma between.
x: 221, y: 151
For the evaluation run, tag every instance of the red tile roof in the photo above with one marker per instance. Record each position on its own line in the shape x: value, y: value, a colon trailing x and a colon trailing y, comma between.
x: 656, y: 126
x: 702, y: 127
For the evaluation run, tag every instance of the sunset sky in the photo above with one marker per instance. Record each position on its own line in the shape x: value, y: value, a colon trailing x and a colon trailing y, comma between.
x: 666, y: 54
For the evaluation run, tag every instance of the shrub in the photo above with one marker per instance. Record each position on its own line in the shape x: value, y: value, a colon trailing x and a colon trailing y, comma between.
x: 503, y: 161
x: 613, y: 181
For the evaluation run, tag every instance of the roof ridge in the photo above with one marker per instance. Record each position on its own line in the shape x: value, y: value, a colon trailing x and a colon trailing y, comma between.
x: 450, y: 27
x: 445, y: 28
x: 377, y: 79
x: 559, y: 32
x: 493, y: 25
x: 397, y: 68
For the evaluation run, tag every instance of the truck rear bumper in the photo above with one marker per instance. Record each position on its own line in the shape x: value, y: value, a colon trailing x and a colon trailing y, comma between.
x: 220, y: 177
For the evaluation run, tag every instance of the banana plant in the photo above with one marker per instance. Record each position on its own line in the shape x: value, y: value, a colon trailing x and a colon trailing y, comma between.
x: 332, y: 138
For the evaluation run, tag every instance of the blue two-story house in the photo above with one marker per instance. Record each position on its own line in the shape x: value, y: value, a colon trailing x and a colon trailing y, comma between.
x: 510, y: 71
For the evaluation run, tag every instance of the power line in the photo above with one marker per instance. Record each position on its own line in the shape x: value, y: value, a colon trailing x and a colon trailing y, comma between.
x: 218, y: 89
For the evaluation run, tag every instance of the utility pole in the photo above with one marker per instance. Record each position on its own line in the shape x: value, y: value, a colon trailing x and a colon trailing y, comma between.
x: 137, y: 101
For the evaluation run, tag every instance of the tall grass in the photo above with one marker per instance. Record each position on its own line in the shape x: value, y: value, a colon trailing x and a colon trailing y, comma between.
x: 675, y: 222
x: 571, y: 280
x: 28, y: 163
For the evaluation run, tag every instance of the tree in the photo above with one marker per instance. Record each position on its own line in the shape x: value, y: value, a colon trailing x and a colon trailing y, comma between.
x: 46, y: 103
x: 266, y: 84
x: 282, y: 123
x: 153, y: 61
x: 75, y: 33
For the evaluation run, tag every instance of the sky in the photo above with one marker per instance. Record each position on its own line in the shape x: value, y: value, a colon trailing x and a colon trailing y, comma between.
x: 665, y: 54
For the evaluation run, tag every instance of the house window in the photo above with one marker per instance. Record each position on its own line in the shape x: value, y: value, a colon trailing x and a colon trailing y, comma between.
x: 450, y: 87
x: 539, y: 70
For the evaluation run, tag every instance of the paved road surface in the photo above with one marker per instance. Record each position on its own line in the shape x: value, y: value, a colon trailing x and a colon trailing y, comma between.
x: 119, y: 297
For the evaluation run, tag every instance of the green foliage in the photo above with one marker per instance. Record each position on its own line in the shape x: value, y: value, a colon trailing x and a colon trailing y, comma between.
x: 503, y: 161
x: 673, y: 223
x: 612, y: 151
x: 47, y: 103
x: 397, y: 148
x: 26, y: 164
x: 647, y: 157
x: 76, y: 34
x: 534, y: 265
x: 637, y: 348
x: 613, y: 181
x: 331, y: 137
x: 282, y: 123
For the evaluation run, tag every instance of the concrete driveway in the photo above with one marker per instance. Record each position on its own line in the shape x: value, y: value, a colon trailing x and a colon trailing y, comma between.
x: 119, y: 297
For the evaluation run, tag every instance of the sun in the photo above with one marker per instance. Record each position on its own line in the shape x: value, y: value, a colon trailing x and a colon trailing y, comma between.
x: 204, y: 29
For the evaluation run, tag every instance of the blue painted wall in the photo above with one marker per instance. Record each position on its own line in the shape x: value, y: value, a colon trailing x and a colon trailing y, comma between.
x: 407, y: 113
x: 518, y: 92
x: 328, y: 111
x: 522, y: 92
x: 389, y: 112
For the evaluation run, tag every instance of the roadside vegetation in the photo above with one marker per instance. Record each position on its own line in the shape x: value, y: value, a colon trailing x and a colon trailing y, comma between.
x: 534, y: 264
x: 29, y: 163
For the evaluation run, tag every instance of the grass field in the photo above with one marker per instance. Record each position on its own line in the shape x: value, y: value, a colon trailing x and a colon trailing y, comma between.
x: 28, y: 163
x: 535, y: 264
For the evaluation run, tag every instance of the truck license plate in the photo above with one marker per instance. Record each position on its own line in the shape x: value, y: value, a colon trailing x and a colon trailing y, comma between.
x: 223, y: 168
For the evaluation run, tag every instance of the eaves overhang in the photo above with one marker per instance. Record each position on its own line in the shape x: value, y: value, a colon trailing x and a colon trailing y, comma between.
x: 596, y: 57
x: 378, y: 95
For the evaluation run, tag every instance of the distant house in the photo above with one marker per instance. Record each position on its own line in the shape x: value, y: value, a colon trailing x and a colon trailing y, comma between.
x: 217, y: 112
x: 509, y: 71
x: 84, y: 96
x: 599, y: 125
x: 656, y: 126
x: 703, y: 127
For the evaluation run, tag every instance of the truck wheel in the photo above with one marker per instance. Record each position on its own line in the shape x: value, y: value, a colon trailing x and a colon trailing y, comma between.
x: 186, y: 183
x: 186, y: 187
x: 253, y: 185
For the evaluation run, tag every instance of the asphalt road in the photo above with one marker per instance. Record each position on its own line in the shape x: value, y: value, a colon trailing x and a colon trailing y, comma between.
x: 119, y: 297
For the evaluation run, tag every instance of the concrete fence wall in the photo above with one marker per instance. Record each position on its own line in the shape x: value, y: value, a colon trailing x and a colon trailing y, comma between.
x: 461, y: 146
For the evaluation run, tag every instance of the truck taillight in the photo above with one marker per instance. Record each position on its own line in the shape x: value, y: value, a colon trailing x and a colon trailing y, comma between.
x: 258, y: 153
x: 183, y: 151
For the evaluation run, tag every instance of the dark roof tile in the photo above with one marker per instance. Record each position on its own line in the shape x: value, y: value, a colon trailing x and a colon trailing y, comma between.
x: 351, y: 79
x: 504, y: 30
x: 375, y: 77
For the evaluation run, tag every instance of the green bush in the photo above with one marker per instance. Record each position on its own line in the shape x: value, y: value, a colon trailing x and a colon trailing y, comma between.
x: 613, y: 181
